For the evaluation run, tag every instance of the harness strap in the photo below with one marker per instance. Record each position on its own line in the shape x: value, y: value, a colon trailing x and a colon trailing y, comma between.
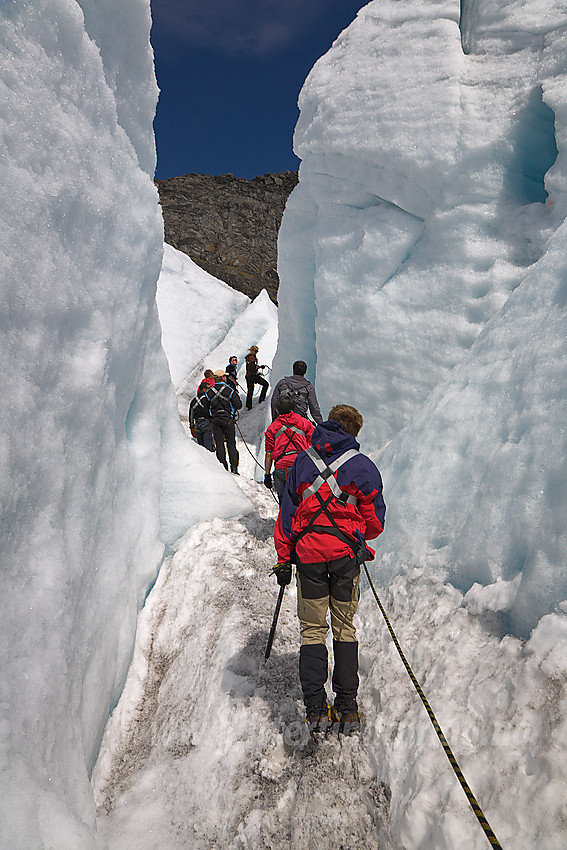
x: 290, y: 441
x: 296, y: 392
x: 285, y: 428
x: 219, y: 394
x: 336, y: 532
x: 215, y: 392
x: 327, y: 474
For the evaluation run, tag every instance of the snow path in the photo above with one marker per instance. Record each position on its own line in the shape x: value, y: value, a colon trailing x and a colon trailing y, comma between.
x: 208, y: 746
x: 205, y: 748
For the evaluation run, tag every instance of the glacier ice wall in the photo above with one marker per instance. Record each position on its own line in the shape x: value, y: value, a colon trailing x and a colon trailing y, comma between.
x: 428, y: 218
x: 97, y: 474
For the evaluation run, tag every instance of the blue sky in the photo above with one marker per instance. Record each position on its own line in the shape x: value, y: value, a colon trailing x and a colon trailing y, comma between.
x: 230, y: 72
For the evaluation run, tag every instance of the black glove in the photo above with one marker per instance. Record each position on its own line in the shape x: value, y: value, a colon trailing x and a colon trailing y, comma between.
x: 268, y: 481
x: 282, y: 573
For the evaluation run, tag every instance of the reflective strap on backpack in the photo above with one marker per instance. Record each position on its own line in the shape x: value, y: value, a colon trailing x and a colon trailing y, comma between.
x: 285, y: 428
x: 290, y: 441
x: 219, y: 394
x: 327, y: 475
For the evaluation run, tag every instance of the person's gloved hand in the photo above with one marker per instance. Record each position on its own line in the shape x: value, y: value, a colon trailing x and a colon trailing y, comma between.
x: 282, y: 573
x: 193, y: 434
x: 268, y: 481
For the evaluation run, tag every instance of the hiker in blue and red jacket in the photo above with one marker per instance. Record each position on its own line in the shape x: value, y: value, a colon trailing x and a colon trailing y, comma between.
x: 285, y: 438
x: 331, y: 505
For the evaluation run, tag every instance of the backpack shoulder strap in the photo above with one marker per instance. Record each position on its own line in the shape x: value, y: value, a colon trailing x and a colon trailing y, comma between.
x: 298, y: 392
x: 216, y: 393
x: 285, y: 428
x: 327, y: 474
x: 287, y: 450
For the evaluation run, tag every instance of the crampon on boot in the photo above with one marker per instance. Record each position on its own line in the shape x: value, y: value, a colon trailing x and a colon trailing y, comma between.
x: 345, y: 722
x: 319, y: 724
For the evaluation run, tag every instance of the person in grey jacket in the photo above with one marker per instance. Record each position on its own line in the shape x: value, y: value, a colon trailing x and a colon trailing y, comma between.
x: 300, y: 390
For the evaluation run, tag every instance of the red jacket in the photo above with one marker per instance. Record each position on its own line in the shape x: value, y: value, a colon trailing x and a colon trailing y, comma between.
x: 358, y: 478
x: 284, y: 443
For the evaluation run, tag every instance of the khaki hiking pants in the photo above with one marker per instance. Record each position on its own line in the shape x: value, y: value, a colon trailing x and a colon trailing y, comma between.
x: 333, y: 585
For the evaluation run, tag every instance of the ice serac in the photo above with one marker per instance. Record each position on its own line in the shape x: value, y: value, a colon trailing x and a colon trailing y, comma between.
x: 92, y: 451
x: 426, y: 236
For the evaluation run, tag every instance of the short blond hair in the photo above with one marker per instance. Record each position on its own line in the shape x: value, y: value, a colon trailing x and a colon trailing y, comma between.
x: 348, y: 418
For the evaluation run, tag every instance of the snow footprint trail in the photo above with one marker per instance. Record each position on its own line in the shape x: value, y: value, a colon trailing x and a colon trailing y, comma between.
x: 195, y: 753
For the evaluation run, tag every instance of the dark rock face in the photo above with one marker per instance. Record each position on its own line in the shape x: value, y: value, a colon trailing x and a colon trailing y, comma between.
x: 228, y: 225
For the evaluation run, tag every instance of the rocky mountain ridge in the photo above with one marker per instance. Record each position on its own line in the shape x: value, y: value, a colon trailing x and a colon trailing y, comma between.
x: 228, y: 225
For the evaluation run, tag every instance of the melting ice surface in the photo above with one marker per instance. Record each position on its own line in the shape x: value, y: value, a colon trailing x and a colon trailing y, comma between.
x: 424, y: 270
x: 423, y: 267
x: 98, y: 476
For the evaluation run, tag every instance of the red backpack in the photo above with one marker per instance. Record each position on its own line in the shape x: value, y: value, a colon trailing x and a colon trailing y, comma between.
x: 289, y: 440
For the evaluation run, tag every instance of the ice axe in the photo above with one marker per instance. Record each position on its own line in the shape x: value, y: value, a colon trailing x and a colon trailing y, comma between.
x: 274, y: 623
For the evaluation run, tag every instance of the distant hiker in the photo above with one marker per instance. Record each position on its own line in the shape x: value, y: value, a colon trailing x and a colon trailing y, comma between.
x: 199, y: 422
x: 222, y: 402
x: 332, y: 503
x: 209, y: 377
x: 254, y: 377
x: 288, y: 435
x: 231, y: 371
x: 301, y: 391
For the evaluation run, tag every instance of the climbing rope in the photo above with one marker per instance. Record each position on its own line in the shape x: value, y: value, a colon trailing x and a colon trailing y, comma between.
x: 448, y: 751
x: 255, y: 460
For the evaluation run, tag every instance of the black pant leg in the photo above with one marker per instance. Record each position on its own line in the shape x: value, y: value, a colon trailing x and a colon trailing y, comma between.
x: 250, y: 393
x: 264, y: 384
x: 230, y: 434
x: 218, y: 432
x: 313, y: 675
x: 345, y: 675
x: 279, y: 479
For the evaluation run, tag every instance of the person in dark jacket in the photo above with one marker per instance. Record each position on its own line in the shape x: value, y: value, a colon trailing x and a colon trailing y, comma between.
x: 199, y: 423
x: 301, y: 391
x: 232, y: 371
x: 254, y: 377
x: 324, y: 521
x: 222, y: 401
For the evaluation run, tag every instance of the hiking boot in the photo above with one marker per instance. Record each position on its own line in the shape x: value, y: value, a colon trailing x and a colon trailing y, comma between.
x: 235, y: 472
x: 348, y: 721
x: 319, y: 724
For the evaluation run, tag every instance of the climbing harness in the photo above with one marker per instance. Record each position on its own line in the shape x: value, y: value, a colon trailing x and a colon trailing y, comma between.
x: 220, y: 396
x: 291, y: 447
x: 444, y: 743
x: 327, y: 476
